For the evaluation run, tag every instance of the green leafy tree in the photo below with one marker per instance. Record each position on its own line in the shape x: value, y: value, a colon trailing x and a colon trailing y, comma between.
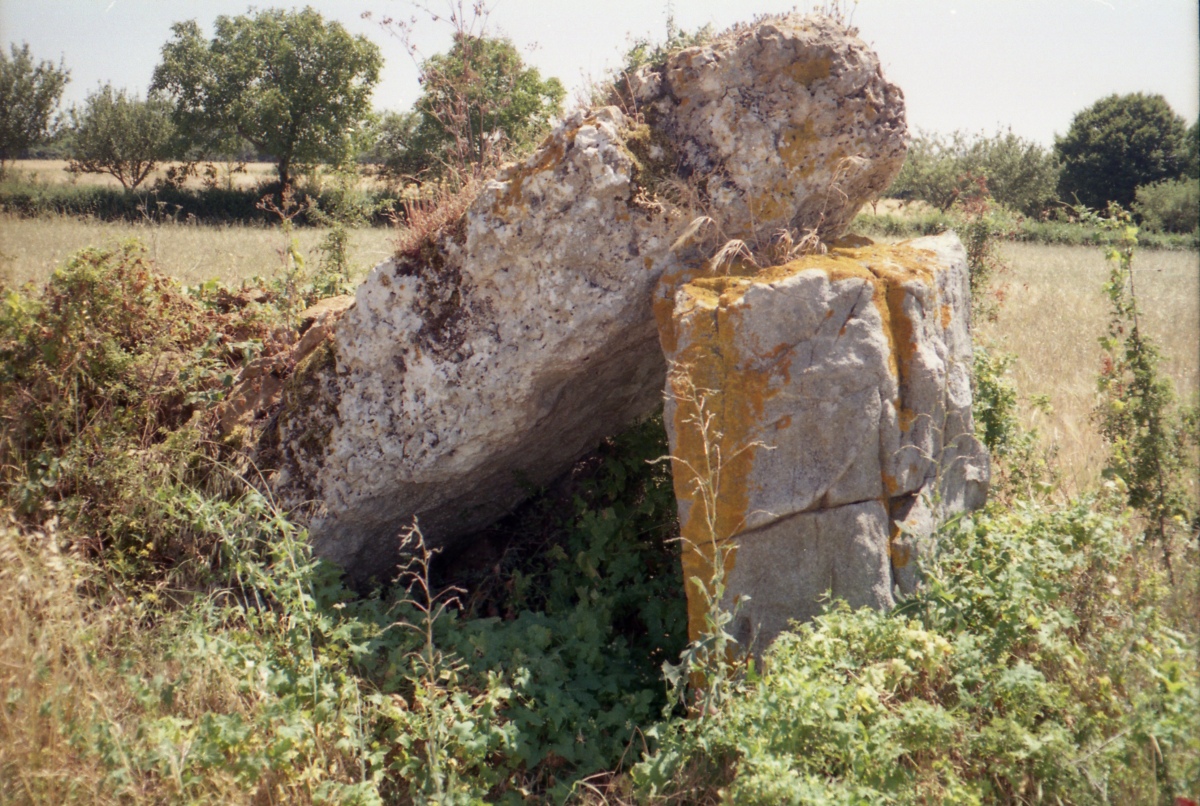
x: 29, y: 94
x: 1021, y: 174
x: 290, y: 83
x: 121, y: 135
x: 1117, y: 144
x: 479, y: 101
x: 393, y: 151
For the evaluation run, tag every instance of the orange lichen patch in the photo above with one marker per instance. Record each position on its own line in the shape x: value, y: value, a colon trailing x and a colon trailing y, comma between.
x: 809, y: 71
x: 720, y: 398
x: 796, y: 148
x: 900, y: 554
x: 717, y: 422
x: 549, y: 155
x: 795, y: 145
x: 774, y: 203
x: 947, y: 316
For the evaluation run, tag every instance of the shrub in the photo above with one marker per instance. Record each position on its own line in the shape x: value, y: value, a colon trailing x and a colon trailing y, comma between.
x: 100, y: 376
x: 1172, y: 205
x: 1035, y: 665
x: 1138, y: 417
x: 208, y: 204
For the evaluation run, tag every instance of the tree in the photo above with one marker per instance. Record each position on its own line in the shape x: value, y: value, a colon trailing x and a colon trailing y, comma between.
x: 478, y: 101
x: 1020, y: 174
x: 1118, y: 143
x: 120, y: 135
x: 288, y: 82
x: 29, y: 94
x: 394, y: 150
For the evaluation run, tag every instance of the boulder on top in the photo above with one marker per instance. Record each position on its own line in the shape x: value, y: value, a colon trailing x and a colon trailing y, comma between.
x: 482, y: 364
x: 817, y: 412
x: 785, y: 124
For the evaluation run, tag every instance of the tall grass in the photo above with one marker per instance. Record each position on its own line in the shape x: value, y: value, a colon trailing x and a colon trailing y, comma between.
x: 1053, y: 316
x: 31, y: 248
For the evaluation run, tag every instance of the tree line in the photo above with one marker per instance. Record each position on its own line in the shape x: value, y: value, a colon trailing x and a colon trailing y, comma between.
x: 288, y: 86
x: 295, y: 89
x: 1133, y: 150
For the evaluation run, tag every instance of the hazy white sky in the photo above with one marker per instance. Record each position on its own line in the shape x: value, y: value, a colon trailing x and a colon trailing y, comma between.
x: 963, y: 64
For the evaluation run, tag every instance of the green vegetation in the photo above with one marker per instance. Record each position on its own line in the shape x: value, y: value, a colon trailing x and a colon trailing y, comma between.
x: 29, y: 94
x: 1121, y: 149
x: 288, y: 82
x: 1038, y: 664
x: 121, y: 136
x: 1020, y: 174
x: 1172, y: 205
x: 203, y: 204
x: 1066, y: 228
x: 478, y: 103
x: 168, y: 637
x: 1149, y: 438
x: 1117, y: 144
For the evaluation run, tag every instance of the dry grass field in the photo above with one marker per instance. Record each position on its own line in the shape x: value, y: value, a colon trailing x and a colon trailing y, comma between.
x: 31, y: 248
x: 1054, y: 313
x: 248, y: 175
x: 54, y: 172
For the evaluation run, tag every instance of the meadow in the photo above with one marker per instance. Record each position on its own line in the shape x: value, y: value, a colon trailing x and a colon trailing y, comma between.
x: 31, y: 248
x: 1052, y: 317
x: 227, y: 174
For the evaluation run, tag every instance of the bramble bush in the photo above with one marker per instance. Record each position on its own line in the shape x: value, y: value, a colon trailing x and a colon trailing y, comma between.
x: 213, y: 658
x: 1151, y: 446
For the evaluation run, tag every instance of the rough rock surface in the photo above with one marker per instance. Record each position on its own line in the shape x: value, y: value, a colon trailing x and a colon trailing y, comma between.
x: 259, y: 386
x: 788, y: 123
x: 485, y: 363
x: 813, y: 409
x: 463, y: 378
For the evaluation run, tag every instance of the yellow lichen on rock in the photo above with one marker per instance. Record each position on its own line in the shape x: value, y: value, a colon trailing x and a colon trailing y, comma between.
x: 716, y: 407
x: 720, y: 388
x: 806, y: 72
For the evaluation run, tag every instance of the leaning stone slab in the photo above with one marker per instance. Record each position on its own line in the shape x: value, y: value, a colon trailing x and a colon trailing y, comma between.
x: 805, y: 405
x: 468, y: 376
x: 483, y: 365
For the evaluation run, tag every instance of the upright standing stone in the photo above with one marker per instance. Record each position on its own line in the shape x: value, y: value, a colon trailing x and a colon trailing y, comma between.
x: 810, y: 407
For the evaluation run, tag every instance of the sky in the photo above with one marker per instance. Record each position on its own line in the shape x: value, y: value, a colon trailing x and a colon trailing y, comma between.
x: 971, y: 65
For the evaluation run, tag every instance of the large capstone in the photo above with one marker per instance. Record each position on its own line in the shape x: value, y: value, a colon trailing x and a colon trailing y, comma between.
x: 785, y: 124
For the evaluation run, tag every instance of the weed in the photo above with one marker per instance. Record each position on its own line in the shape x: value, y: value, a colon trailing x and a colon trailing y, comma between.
x: 1007, y: 678
x: 1137, y: 416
